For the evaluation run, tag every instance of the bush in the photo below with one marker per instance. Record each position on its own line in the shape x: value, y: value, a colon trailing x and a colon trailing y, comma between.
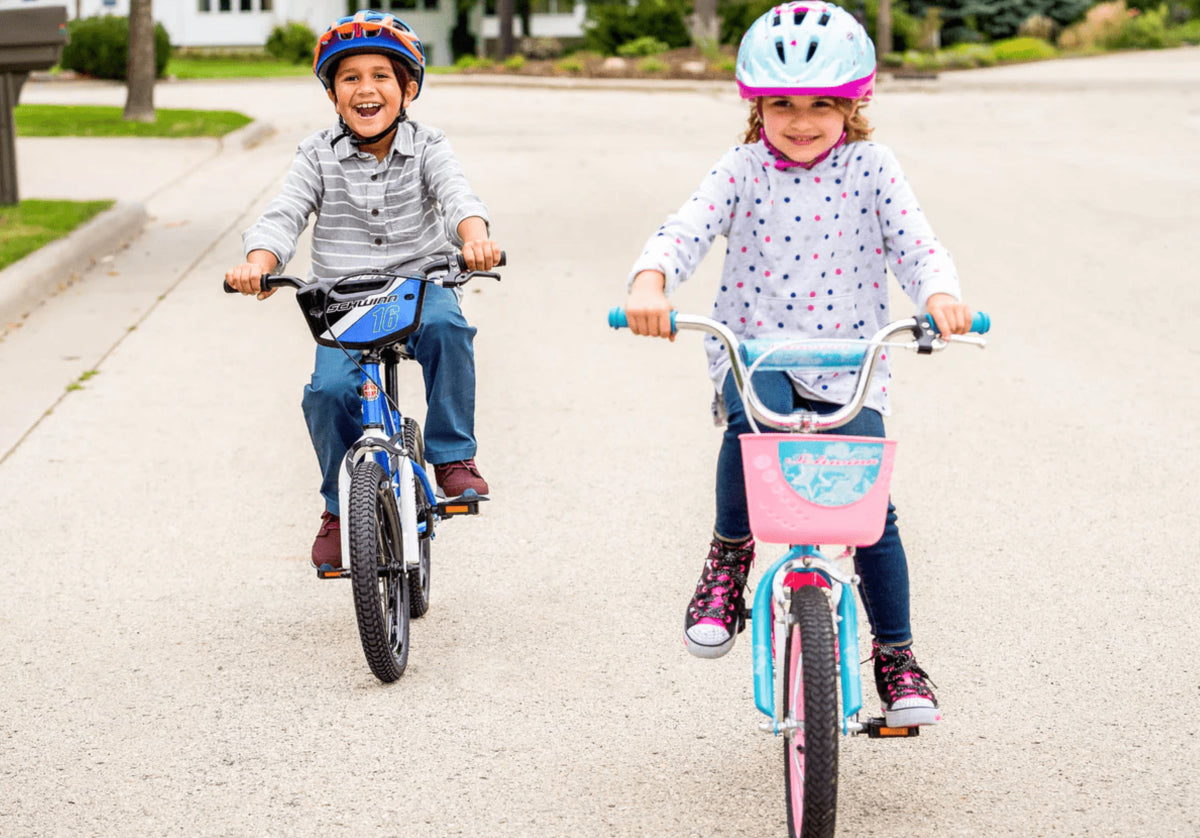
x: 613, y: 23
x: 1189, y: 33
x: 514, y: 62
x: 99, y: 46
x: 645, y: 45
x: 1023, y: 49
x: 1147, y: 30
x: 652, y: 65
x: 293, y: 42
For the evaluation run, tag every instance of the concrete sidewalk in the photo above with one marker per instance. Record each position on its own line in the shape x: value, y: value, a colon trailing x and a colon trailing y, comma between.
x: 176, y: 201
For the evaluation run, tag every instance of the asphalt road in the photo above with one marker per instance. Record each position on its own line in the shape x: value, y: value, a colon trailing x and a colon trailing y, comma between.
x: 170, y: 666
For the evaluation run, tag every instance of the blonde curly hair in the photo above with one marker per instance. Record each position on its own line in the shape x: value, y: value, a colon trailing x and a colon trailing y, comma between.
x: 858, y: 127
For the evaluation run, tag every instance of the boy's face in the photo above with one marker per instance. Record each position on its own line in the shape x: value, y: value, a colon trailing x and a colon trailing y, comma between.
x: 368, y: 94
x: 802, y: 127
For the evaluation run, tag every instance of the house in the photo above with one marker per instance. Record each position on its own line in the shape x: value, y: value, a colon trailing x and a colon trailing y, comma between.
x: 248, y: 23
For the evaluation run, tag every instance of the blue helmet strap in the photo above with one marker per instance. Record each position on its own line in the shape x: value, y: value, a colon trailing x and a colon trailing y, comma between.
x: 362, y: 141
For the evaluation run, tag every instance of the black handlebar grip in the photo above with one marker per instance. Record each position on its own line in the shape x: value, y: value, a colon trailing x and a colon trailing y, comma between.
x: 264, y: 283
x: 462, y: 263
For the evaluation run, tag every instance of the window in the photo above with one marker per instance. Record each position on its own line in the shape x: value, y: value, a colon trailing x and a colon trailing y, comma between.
x: 205, y: 5
x: 225, y: 5
x: 247, y: 5
x: 266, y: 5
x: 401, y: 5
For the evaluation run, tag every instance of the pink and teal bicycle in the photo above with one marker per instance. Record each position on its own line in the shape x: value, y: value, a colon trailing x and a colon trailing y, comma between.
x: 807, y: 489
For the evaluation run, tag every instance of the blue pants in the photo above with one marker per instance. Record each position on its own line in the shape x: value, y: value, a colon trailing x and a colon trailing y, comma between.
x: 442, y: 344
x: 882, y: 567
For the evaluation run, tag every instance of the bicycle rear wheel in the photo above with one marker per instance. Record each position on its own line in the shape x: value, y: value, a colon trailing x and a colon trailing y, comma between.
x: 418, y: 577
x: 810, y: 749
x: 377, y: 576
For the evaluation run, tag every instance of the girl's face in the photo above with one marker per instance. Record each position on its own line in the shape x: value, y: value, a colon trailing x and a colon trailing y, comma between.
x: 368, y: 94
x: 802, y: 127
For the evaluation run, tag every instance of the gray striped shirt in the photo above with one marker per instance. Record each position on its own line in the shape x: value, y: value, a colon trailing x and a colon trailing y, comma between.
x: 372, y: 215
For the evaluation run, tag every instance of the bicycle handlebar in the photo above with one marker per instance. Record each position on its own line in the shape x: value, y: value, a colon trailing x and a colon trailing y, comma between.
x: 442, y: 263
x: 980, y: 322
x: 748, y: 356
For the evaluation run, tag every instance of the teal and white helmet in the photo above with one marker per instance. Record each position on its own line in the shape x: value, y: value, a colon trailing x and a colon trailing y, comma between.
x: 806, y: 48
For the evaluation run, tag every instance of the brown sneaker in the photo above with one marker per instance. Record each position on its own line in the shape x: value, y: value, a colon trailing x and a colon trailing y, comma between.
x: 327, y: 546
x: 460, y: 477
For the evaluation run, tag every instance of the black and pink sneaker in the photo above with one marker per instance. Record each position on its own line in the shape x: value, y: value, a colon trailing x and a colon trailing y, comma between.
x: 716, y: 613
x: 903, y: 688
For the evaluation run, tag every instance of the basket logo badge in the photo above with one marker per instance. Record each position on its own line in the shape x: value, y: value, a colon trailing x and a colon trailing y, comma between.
x: 370, y: 391
x: 830, y: 473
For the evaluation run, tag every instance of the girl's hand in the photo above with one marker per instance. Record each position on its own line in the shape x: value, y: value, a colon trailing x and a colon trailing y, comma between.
x: 481, y: 254
x: 648, y: 310
x: 247, y: 278
x: 951, y: 316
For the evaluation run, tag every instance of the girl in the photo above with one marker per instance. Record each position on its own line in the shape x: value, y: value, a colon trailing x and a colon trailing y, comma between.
x: 814, y: 215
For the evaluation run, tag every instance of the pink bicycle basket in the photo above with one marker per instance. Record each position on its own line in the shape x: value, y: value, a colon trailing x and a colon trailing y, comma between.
x: 817, y: 488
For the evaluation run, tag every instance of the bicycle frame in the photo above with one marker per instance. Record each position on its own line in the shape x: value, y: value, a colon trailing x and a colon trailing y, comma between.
x: 383, y: 439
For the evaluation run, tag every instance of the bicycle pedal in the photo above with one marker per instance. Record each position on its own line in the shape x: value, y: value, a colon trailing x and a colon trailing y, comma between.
x: 877, y: 728
x: 461, y: 505
x: 327, y: 572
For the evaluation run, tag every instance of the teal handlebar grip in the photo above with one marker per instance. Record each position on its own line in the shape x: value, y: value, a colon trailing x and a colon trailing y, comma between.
x: 617, y: 319
x: 980, y: 323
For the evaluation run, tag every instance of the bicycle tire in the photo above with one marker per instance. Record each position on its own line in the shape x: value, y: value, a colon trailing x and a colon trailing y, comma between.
x: 810, y: 750
x: 377, y: 574
x: 419, y: 576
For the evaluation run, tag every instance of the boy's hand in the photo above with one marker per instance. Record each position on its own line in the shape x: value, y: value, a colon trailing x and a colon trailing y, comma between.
x: 247, y: 277
x: 951, y: 316
x: 481, y: 254
x: 648, y: 310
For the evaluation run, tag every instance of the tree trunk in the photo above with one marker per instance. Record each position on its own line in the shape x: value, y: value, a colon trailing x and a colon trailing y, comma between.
x: 883, y: 28
x: 504, y: 12
x: 139, y: 100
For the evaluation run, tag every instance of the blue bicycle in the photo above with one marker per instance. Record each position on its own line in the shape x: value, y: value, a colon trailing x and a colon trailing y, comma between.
x: 389, y: 507
x: 806, y: 489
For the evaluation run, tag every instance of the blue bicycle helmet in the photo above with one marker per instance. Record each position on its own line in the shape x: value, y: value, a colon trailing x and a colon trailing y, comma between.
x: 806, y: 48
x: 373, y: 32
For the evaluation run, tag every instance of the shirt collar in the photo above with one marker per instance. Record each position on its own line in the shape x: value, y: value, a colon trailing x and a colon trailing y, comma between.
x: 402, y: 142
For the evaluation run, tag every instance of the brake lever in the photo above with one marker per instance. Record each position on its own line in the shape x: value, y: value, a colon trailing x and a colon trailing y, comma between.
x: 463, y: 279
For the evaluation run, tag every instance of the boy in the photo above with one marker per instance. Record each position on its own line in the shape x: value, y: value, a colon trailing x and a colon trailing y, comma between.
x: 388, y: 196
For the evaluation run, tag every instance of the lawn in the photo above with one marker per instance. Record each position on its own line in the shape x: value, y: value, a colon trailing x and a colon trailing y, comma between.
x: 229, y: 67
x: 105, y: 121
x: 31, y: 224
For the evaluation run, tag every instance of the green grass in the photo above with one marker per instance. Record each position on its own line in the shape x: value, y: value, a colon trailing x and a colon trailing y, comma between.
x: 226, y: 67
x: 31, y: 224
x: 103, y: 121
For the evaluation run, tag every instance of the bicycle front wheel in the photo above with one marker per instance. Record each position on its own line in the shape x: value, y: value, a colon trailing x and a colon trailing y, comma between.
x: 810, y: 748
x: 377, y: 571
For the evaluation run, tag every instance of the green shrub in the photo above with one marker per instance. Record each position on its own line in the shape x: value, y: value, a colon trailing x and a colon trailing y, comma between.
x: 570, y: 64
x: 612, y: 23
x: 471, y: 62
x: 1023, y: 49
x: 962, y: 56
x: 1147, y: 30
x: 293, y: 42
x: 1189, y: 33
x: 99, y: 46
x: 652, y: 65
x: 514, y: 62
x: 645, y: 45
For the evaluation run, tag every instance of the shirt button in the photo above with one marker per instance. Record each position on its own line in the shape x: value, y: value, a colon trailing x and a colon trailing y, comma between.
x: 374, y: 212
x: 378, y: 241
x: 374, y: 177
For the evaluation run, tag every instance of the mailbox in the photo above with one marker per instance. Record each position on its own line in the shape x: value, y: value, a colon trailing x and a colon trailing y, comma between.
x: 30, y: 39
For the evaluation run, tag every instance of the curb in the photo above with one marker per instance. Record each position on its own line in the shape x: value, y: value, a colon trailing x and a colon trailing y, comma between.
x: 25, y: 284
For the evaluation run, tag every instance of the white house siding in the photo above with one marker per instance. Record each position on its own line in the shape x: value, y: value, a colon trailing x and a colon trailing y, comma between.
x: 190, y: 27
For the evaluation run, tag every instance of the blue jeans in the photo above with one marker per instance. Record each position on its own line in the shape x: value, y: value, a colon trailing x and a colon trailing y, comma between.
x: 442, y: 344
x: 882, y: 567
